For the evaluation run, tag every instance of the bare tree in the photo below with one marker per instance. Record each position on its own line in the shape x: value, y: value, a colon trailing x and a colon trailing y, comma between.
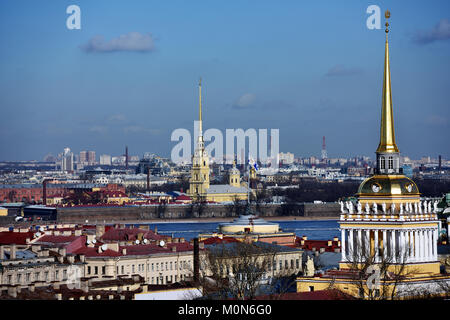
x: 243, y: 270
x: 392, y: 268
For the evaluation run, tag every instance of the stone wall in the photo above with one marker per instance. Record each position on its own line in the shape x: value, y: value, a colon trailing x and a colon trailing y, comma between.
x: 108, y: 214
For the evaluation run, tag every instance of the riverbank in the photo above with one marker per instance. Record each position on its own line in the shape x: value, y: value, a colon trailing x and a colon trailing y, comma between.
x: 209, y: 220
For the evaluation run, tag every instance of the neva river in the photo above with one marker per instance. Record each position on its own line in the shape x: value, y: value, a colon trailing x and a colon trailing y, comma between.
x: 314, y: 229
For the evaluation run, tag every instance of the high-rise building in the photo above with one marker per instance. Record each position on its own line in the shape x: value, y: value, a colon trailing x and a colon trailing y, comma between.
x: 67, y: 160
x: 91, y: 157
x: 83, y: 158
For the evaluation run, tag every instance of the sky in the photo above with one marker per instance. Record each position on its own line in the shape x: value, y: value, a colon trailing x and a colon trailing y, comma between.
x: 129, y: 76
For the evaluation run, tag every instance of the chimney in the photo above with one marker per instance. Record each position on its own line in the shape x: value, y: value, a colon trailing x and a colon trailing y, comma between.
x: 196, y: 260
x: 156, y: 230
x: 322, y: 250
x: 62, y: 251
x: 201, y: 245
x: 99, y: 230
x: 329, y: 243
x: 82, y: 258
x: 31, y: 287
x: 77, y: 232
x: 174, y: 249
x: 12, y: 251
x: 12, y: 291
x: 71, y: 258
x: 124, y: 251
x: 84, y: 285
x: 58, y: 296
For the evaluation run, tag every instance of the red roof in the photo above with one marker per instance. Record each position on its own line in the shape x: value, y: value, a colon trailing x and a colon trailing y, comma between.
x: 216, y: 240
x: 130, y: 234
x: 94, y: 252
x: 10, y: 237
x: 154, y: 248
x: 57, y: 239
x: 317, y: 244
x: 183, y: 197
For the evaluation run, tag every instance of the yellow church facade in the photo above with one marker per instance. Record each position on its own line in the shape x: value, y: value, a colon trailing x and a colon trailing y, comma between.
x: 388, y: 236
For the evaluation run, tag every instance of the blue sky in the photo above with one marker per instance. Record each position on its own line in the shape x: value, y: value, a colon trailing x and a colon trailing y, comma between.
x: 308, y: 68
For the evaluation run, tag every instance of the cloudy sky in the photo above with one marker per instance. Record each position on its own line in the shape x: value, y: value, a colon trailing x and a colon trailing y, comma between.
x: 309, y: 68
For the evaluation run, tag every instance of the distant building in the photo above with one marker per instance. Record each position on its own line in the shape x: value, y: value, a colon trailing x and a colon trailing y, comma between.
x: 105, y: 159
x: 286, y: 158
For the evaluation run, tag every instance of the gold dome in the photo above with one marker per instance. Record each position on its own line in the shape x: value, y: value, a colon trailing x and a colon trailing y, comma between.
x: 388, y: 185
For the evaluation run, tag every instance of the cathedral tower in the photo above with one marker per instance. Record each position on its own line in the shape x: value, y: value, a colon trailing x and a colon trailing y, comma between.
x: 199, y: 181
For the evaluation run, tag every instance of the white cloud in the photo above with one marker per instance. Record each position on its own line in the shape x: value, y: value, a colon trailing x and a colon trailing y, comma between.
x: 441, y: 31
x: 132, y: 41
x: 245, y: 101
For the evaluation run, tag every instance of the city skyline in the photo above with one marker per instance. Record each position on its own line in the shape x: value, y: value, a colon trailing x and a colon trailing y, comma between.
x: 261, y: 68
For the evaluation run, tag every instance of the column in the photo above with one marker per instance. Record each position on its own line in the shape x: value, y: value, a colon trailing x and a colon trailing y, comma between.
x: 435, y: 237
x: 384, y: 244
x: 421, y: 246
x: 350, y: 245
x: 401, y: 246
x: 411, y: 245
x: 416, y: 246
x: 343, y: 248
x: 430, y: 245
x: 358, y: 246
x: 367, y: 243
x: 376, y: 245
x: 393, y: 251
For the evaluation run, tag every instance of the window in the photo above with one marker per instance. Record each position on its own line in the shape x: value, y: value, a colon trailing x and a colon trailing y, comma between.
x: 170, y: 265
x: 274, y: 266
x: 157, y: 266
x: 281, y: 265
x: 292, y: 263
x: 95, y: 270
x: 167, y: 266
x: 103, y: 269
x: 391, y: 163
x: 28, y: 276
x: 311, y: 288
x: 297, y: 263
x: 36, y: 276
x: 19, y: 278
x: 153, y: 280
x: 132, y: 268
x: 46, y: 276
x: 123, y: 271
x: 175, y: 265
x: 64, y: 274
x: 382, y: 163
x: 153, y: 267
x: 57, y: 273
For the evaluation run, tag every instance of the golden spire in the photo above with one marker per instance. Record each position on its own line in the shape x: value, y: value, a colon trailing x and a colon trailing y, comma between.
x: 200, y: 104
x: 387, y: 134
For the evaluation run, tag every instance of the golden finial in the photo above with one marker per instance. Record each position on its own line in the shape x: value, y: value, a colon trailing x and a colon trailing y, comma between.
x: 200, y: 81
x: 387, y: 15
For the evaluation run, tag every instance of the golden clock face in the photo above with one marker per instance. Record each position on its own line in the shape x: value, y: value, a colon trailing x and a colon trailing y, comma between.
x: 376, y: 187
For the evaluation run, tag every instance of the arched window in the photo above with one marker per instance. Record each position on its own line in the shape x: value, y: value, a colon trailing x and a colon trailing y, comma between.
x: 382, y: 163
x: 391, y: 163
